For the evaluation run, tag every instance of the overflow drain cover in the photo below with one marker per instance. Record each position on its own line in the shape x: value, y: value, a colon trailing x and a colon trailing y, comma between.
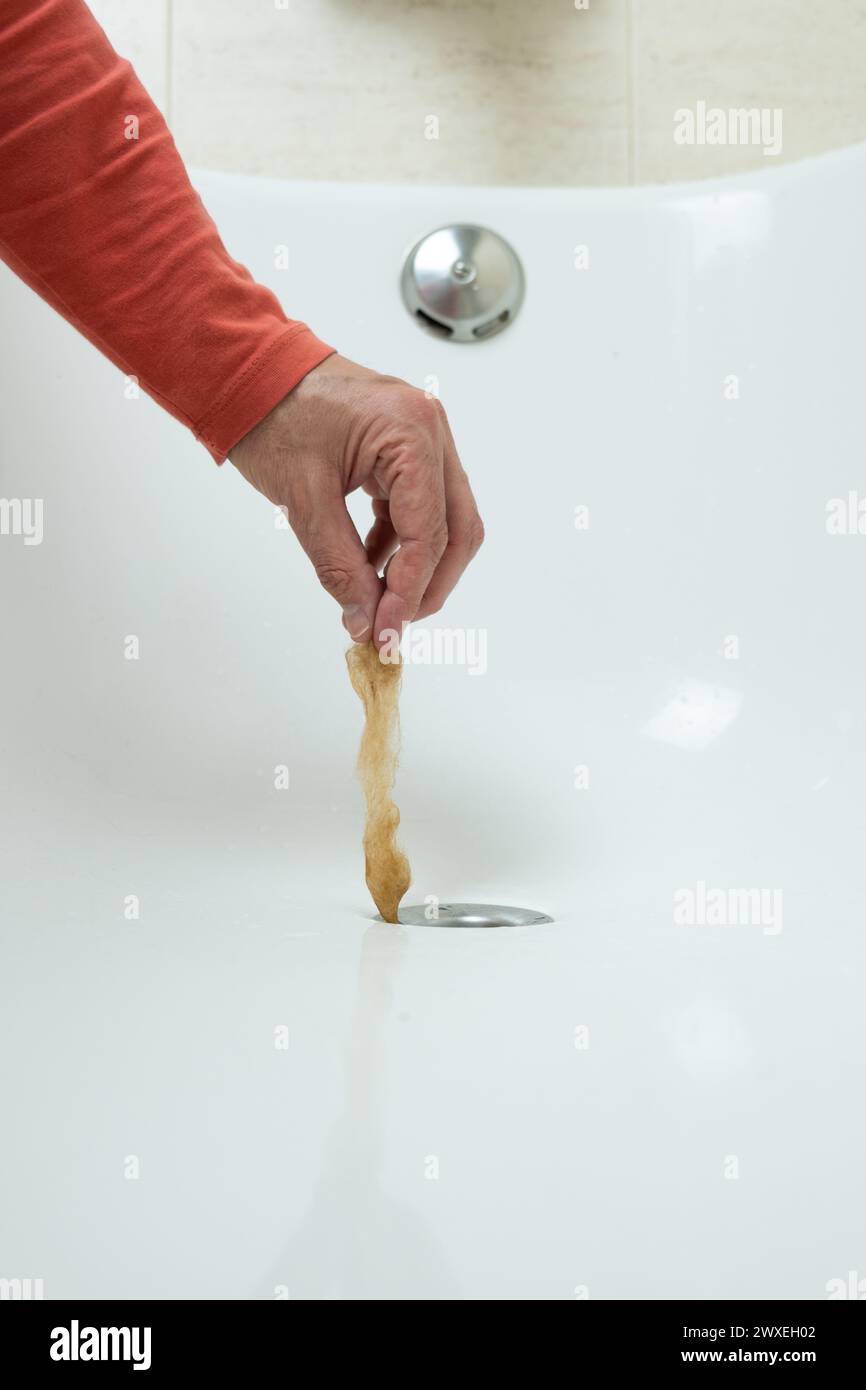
x: 471, y: 915
x: 463, y: 282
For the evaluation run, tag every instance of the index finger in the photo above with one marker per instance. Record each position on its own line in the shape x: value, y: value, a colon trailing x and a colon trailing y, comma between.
x: 416, y: 503
x: 465, y: 532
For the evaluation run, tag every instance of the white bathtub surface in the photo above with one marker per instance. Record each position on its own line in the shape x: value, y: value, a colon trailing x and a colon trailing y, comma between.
x: 618, y: 1104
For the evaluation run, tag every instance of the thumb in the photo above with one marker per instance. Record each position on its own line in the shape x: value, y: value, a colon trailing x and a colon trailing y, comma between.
x: 342, y: 565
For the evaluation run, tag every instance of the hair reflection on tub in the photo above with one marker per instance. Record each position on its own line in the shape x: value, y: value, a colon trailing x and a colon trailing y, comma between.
x: 357, y: 1242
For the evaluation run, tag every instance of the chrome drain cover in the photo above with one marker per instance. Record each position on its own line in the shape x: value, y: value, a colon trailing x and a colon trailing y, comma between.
x: 470, y: 915
x: 463, y: 282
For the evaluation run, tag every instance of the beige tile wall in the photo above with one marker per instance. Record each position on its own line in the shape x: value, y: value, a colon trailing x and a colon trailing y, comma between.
x: 514, y: 91
x: 139, y: 30
x: 804, y: 57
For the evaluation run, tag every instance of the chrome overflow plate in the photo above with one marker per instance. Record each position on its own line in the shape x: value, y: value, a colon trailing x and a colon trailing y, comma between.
x: 463, y: 282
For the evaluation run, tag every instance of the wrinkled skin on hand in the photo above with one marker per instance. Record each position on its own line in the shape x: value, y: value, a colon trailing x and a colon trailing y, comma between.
x: 345, y: 427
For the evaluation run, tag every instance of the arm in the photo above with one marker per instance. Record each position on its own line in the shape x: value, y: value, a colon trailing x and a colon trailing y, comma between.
x: 98, y: 216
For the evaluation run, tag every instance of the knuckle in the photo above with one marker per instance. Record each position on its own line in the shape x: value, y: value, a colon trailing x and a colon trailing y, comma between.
x: 421, y: 411
x: 337, y: 578
x: 475, y: 535
x: 469, y: 539
x: 437, y: 539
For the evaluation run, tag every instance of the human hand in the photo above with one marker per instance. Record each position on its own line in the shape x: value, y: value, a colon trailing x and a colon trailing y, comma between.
x: 345, y: 427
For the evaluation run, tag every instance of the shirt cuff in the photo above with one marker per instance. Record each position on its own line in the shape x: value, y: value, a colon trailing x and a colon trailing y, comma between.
x: 263, y: 383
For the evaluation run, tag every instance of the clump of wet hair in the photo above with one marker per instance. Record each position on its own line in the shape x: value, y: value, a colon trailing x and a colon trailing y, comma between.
x: 377, y: 683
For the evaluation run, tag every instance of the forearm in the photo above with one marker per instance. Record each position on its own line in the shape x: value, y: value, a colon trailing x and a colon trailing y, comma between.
x: 98, y: 216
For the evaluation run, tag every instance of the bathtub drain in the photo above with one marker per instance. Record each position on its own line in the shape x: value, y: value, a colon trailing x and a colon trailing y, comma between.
x: 471, y: 915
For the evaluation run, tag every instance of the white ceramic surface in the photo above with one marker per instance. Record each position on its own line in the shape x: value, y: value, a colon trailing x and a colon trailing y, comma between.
x: 615, y: 1104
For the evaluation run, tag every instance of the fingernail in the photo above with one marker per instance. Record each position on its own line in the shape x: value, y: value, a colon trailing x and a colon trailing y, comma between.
x: 356, y: 622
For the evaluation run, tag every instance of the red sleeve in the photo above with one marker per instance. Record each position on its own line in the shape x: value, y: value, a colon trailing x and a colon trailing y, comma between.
x: 109, y: 231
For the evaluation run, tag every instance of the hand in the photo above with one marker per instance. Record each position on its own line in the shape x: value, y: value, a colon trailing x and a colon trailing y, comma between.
x: 344, y: 427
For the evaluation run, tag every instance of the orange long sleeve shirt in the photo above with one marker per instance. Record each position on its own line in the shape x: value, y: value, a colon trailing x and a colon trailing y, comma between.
x: 98, y: 216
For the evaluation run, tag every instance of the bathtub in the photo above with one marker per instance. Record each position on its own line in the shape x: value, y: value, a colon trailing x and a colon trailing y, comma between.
x: 222, y: 1077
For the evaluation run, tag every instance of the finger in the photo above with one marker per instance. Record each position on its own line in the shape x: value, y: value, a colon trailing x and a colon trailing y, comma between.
x: 381, y: 540
x: 465, y: 534
x: 341, y: 562
x: 417, y: 510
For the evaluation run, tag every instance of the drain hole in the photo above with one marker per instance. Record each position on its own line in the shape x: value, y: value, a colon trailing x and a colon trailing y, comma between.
x: 493, y: 326
x: 435, y: 324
